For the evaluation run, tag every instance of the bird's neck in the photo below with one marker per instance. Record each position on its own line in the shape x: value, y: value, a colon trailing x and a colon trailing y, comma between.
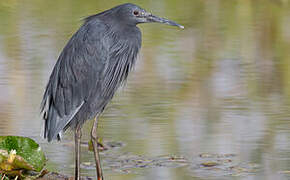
x: 124, y: 31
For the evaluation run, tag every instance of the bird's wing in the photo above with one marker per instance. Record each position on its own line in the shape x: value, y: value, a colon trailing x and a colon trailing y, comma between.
x: 75, y: 75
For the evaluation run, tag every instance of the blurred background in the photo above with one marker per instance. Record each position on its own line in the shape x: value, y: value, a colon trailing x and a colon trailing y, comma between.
x: 221, y: 85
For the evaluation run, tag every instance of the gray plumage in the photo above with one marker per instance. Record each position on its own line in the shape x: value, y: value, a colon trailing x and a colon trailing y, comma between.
x: 91, y: 67
x: 89, y: 70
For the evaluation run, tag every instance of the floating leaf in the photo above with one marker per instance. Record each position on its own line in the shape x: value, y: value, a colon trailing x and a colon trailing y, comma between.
x: 103, y: 146
x: 20, y: 153
x: 209, y: 164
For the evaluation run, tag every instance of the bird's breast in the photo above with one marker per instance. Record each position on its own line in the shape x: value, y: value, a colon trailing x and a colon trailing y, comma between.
x: 122, y: 57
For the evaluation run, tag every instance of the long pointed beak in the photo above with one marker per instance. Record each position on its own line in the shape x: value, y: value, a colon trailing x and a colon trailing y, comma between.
x: 152, y: 18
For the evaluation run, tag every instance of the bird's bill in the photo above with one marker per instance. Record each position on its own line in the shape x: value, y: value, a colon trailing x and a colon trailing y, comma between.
x: 152, y: 18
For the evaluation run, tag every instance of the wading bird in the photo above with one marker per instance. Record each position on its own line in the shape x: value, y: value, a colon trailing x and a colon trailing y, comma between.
x: 91, y: 67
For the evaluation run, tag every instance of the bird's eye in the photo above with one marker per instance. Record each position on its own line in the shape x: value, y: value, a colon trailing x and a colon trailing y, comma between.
x: 136, y: 13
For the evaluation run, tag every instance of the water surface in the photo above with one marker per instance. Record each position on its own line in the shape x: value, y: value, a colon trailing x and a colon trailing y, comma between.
x: 221, y: 86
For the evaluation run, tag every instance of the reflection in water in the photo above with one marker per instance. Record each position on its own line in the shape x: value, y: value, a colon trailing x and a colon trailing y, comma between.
x: 219, y: 86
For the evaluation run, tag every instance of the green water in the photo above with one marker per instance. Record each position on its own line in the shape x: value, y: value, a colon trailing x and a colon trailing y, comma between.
x: 221, y: 85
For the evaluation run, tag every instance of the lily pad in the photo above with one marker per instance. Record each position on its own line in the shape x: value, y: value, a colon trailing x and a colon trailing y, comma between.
x: 20, y: 153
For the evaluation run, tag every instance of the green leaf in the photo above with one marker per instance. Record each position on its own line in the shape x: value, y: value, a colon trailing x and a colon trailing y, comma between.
x: 29, y: 155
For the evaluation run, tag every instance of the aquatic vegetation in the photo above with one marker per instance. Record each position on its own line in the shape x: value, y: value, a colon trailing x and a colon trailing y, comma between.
x: 20, y: 157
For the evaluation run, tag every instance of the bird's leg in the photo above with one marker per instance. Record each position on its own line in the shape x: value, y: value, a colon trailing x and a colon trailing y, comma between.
x: 96, y: 152
x: 78, y: 135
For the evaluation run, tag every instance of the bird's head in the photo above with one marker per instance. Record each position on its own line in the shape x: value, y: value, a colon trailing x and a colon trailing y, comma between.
x: 133, y: 15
